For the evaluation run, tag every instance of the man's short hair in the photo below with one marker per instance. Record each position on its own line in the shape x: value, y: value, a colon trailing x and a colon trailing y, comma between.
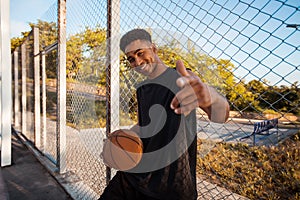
x: 135, y: 34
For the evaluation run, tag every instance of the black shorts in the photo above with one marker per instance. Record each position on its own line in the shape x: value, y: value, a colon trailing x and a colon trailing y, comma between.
x: 120, y: 189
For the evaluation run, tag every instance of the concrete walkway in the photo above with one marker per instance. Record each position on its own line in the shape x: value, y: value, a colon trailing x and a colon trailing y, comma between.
x: 27, y: 179
x: 3, y: 189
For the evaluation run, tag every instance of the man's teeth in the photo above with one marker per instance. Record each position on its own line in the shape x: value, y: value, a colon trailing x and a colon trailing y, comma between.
x: 142, y: 66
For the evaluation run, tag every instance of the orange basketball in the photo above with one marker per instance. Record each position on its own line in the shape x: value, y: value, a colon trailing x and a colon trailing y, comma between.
x: 122, y: 150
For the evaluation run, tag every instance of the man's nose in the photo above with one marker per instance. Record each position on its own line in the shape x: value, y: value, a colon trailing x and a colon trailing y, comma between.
x: 138, y: 61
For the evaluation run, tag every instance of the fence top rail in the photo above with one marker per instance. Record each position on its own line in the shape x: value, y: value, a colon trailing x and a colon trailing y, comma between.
x: 50, y: 47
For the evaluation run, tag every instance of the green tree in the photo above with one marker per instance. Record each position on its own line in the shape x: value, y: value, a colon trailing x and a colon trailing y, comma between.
x: 48, y: 36
x: 47, y: 32
x: 258, y: 88
x: 240, y: 97
x: 212, y: 71
x: 17, y: 41
x: 86, y: 55
x: 286, y: 99
x: 74, y: 55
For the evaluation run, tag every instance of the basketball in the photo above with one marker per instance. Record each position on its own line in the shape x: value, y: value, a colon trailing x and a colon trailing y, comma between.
x: 122, y: 150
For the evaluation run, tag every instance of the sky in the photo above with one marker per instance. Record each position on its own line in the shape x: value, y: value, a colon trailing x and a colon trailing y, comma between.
x: 252, y: 34
x: 22, y: 12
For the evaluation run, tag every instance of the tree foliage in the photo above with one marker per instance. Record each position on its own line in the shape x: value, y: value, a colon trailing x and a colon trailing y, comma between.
x: 86, y: 62
x: 48, y: 36
x: 17, y: 41
x: 86, y: 53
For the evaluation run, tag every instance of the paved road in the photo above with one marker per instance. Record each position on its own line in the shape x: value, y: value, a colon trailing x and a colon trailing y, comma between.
x: 234, y: 130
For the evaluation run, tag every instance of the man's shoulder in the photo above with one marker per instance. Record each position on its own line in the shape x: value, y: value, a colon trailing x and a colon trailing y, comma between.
x: 171, y: 72
x: 168, y: 76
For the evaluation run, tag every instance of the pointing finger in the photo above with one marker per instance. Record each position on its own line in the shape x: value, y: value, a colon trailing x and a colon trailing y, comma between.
x: 181, y: 68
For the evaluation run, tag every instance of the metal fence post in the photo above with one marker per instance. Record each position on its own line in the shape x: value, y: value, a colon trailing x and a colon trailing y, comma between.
x: 37, y: 112
x: 114, y: 61
x: 16, y: 87
x: 113, y: 69
x: 43, y: 136
x: 6, y: 101
x: 23, y: 65
x: 61, y: 87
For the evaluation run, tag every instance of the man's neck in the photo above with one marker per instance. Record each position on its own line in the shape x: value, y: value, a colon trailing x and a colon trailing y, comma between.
x: 159, y: 69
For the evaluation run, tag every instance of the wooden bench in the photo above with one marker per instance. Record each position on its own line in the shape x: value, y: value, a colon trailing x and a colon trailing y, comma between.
x: 263, y: 128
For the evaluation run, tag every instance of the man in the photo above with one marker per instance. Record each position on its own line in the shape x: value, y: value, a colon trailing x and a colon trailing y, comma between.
x: 168, y: 166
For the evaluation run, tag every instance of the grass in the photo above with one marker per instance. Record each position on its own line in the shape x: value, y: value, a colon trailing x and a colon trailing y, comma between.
x: 257, y: 172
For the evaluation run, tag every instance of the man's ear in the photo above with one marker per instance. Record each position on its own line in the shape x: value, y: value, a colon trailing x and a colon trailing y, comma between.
x: 154, y: 48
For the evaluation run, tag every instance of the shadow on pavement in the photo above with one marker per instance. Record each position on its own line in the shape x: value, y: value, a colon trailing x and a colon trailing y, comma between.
x: 27, y: 178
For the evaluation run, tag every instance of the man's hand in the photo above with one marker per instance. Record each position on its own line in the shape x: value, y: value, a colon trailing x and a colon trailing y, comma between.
x: 194, y: 93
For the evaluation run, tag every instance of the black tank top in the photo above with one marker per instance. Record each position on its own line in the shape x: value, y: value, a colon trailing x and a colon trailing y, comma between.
x: 168, y: 167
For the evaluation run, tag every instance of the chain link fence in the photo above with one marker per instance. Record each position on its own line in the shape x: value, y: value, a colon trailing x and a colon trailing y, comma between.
x: 247, y: 50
